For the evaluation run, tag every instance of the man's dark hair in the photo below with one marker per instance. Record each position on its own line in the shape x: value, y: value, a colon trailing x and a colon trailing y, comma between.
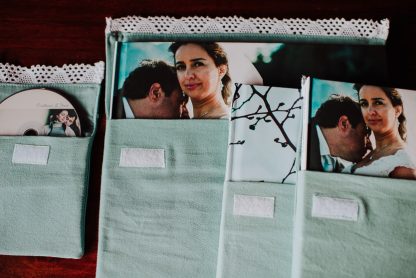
x: 336, y: 106
x: 138, y: 82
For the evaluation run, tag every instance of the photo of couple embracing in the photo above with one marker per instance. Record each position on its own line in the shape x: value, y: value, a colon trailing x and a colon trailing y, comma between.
x: 195, y: 79
x: 194, y: 83
x: 361, y: 129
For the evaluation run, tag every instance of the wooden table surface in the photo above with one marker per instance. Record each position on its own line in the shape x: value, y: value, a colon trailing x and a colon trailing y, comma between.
x: 62, y: 32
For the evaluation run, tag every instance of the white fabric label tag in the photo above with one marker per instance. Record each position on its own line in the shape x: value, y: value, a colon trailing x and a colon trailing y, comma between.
x: 30, y: 154
x: 253, y: 206
x: 334, y: 208
x: 142, y: 158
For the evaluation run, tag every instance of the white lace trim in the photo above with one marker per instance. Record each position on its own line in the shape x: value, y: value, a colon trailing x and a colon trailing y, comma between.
x: 338, y: 27
x: 40, y: 74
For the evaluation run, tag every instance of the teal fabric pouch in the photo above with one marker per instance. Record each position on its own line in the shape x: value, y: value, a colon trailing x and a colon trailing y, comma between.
x: 256, y: 230
x: 354, y: 226
x: 163, y: 180
x: 160, y: 217
x: 259, y: 191
x: 44, y: 183
x: 162, y: 188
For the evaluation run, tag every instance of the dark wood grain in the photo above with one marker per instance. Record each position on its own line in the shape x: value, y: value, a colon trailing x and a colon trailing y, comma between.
x: 62, y: 31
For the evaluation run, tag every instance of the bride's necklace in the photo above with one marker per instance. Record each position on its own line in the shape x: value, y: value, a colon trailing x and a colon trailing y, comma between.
x: 203, y: 115
x: 214, y: 113
x: 378, y: 151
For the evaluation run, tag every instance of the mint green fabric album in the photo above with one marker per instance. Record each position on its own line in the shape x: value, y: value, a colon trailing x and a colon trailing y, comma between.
x: 256, y: 230
x: 160, y: 215
x: 44, y: 179
x: 259, y: 191
x: 163, y: 192
x: 354, y: 226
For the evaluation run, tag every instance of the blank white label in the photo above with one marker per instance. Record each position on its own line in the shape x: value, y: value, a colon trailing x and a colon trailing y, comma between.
x: 142, y: 158
x: 253, y: 206
x: 334, y: 208
x: 30, y: 154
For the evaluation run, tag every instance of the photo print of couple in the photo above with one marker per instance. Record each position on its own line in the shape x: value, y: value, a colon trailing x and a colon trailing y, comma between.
x: 62, y: 122
x: 184, y: 79
x: 359, y: 129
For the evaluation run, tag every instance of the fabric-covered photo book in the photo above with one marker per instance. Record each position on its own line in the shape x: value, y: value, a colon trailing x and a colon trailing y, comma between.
x: 167, y: 207
x: 356, y: 193
x: 45, y: 151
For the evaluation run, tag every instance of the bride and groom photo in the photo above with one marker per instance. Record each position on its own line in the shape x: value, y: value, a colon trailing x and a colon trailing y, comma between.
x: 195, y: 79
x: 361, y: 129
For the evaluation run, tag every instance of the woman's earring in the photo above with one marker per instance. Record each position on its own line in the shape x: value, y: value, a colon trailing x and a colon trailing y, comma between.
x: 367, y: 131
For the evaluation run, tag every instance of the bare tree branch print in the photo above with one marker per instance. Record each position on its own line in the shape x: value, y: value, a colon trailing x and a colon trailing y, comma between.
x: 268, y: 115
x: 273, y: 111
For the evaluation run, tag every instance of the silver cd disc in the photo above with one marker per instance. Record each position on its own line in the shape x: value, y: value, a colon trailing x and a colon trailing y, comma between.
x: 40, y: 112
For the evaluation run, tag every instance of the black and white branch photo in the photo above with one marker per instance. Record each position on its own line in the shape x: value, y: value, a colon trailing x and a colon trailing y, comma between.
x: 264, y: 133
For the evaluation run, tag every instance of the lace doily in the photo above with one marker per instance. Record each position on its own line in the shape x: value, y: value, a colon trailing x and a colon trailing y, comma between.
x: 358, y: 28
x: 40, y: 74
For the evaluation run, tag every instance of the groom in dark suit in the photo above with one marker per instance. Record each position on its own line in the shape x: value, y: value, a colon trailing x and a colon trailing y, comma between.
x: 336, y: 133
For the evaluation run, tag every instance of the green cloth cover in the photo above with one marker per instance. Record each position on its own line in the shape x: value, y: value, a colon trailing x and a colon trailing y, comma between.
x: 42, y: 207
x: 162, y: 222
x: 381, y: 243
x: 254, y: 246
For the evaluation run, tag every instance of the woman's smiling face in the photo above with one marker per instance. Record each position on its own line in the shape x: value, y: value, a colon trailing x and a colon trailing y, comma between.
x: 197, y: 73
x: 62, y: 116
x: 379, y: 113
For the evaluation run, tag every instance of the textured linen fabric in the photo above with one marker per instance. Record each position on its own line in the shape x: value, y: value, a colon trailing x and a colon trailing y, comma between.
x: 256, y: 246
x: 381, y: 243
x: 259, y: 191
x: 42, y: 207
x: 162, y: 222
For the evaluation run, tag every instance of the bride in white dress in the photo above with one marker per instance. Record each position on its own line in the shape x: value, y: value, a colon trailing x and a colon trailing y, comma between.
x: 382, y: 110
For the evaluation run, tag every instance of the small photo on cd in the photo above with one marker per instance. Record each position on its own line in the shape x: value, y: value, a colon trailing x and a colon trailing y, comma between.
x: 39, y: 112
x: 62, y: 122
